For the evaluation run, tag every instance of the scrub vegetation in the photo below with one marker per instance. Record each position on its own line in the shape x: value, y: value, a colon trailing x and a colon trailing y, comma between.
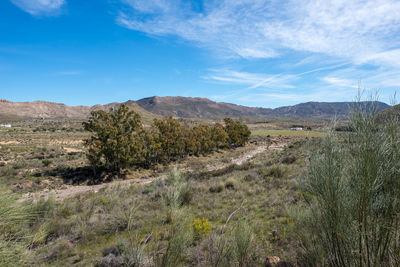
x: 182, y: 197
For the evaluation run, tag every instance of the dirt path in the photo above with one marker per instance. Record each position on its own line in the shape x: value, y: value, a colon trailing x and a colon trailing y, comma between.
x: 249, y: 155
x: 73, y: 190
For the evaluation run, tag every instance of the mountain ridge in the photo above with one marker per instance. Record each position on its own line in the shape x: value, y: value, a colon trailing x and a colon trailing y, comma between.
x: 189, y: 107
x: 184, y: 107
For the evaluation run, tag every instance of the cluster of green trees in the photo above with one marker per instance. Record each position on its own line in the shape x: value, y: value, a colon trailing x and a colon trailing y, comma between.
x: 119, y: 139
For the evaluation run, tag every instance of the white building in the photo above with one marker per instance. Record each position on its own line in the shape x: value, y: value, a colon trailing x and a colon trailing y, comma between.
x: 5, y: 125
x: 296, y: 128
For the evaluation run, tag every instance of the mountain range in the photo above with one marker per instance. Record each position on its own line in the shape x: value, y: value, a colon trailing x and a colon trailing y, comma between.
x: 184, y: 107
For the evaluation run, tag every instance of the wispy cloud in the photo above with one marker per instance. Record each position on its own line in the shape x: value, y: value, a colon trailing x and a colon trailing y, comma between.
x: 355, y: 30
x: 277, y: 98
x: 252, y: 80
x: 335, y: 44
x: 40, y: 7
x: 340, y: 82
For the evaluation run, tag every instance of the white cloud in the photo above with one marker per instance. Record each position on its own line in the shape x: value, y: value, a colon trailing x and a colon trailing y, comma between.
x: 339, y: 42
x: 280, y: 98
x: 389, y: 57
x: 352, y: 29
x: 252, y: 80
x: 40, y: 7
x: 340, y: 82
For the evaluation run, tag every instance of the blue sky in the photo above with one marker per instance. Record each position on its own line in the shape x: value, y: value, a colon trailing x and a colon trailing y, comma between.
x: 250, y: 52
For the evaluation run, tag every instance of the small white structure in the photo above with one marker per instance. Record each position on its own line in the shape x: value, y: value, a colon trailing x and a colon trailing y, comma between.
x: 5, y: 125
x: 296, y: 128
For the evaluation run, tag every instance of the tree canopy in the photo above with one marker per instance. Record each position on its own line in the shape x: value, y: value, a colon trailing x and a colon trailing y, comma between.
x: 120, y: 141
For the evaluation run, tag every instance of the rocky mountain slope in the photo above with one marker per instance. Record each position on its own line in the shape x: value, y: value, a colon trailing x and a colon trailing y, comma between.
x: 188, y: 107
x: 10, y: 111
x: 185, y: 107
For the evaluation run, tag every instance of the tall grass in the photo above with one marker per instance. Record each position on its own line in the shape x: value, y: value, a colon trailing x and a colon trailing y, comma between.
x: 13, y: 237
x: 352, y: 194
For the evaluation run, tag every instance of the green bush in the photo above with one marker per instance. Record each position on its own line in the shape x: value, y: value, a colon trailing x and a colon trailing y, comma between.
x: 352, y: 196
x: 243, y: 238
x: 14, y: 236
x: 217, y: 188
x: 275, y: 171
x: 179, y: 190
x: 46, y: 162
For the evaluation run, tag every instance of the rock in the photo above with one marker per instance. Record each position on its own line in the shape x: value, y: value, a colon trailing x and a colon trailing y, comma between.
x: 275, y: 261
x: 112, y: 261
x: 111, y: 250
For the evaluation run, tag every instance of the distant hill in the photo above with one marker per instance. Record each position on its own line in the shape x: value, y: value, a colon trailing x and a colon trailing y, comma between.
x: 325, y: 109
x: 184, y: 107
x: 10, y: 111
x: 188, y: 107
x: 387, y: 113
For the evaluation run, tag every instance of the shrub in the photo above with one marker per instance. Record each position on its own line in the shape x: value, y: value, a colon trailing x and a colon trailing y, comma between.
x: 250, y: 177
x: 179, y: 236
x: 46, y: 162
x: 243, y: 242
x: 352, y: 192
x: 230, y: 184
x: 14, y: 236
x: 276, y: 171
x: 289, y: 159
x: 201, y: 227
x: 179, y: 191
x: 217, y: 188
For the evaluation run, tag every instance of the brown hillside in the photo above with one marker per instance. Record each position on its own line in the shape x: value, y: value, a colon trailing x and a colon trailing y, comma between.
x: 10, y: 111
x: 188, y: 107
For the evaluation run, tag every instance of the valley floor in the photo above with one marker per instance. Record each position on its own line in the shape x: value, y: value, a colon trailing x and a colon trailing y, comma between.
x: 78, y: 220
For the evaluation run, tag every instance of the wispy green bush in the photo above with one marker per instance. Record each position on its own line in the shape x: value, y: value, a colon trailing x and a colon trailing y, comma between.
x: 243, y: 238
x: 13, y: 235
x: 352, y: 192
x: 179, y: 189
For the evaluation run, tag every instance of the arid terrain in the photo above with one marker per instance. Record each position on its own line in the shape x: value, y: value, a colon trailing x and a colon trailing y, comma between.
x: 237, y: 204
x: 44, y: 162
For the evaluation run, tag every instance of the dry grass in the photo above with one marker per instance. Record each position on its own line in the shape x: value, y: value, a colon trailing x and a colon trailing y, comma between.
x: 76, y: 230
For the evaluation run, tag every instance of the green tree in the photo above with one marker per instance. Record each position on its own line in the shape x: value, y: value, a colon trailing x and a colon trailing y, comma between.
x: 191, y: 143
x: 238, y: 133
x: 169, y: 135
x: 117, y: 139
x: 204, y: 143
x: 219, y: 136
